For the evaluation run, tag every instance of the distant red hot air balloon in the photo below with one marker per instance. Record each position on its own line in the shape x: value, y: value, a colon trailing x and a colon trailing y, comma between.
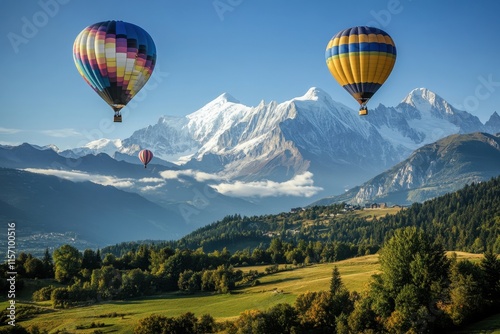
x: 145, y: 156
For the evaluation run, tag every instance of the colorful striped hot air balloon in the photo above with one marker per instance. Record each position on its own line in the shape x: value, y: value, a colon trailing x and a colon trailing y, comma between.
x: 361, y: 59
x: 116, y: 59
x: 145, y: 156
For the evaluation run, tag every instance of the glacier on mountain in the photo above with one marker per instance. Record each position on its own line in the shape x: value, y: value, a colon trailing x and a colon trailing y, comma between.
x: 312, y: 133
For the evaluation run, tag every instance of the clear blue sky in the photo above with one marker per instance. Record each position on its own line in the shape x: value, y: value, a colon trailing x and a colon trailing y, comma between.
x: 253, y: 49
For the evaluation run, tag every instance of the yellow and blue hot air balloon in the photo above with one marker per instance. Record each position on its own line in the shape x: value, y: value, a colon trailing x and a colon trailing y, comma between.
x: 116, y: 59
x: 361, y: 59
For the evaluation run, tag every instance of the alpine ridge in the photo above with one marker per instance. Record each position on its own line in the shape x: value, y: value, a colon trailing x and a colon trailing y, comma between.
x: 431, y: 171
x: 310, y: 133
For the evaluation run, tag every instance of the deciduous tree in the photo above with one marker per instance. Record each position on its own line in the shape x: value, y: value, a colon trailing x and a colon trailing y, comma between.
x: 67, y: 263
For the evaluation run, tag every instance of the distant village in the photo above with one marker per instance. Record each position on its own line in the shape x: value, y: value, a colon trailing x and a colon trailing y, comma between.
x: 347, y: 208
x: 352, y: 207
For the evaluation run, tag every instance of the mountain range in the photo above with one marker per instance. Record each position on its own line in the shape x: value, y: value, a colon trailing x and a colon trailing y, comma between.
x: 241, y: 145
x: 228, y: 158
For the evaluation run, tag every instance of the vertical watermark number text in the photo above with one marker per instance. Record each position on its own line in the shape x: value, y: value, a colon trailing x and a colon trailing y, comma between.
x: 11, y: 273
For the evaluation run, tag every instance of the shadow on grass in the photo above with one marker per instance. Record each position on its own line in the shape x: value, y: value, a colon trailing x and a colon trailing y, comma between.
x: 490, y: 324
x: 267, y: 283
x: 280, y: 280
x: 167, y: 296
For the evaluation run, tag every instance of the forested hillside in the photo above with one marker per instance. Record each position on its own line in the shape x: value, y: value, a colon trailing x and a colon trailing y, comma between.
x: 466, y: 220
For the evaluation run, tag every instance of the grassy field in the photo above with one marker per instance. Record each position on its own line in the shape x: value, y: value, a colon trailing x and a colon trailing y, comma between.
x: 281, y: 287
x: 376, y: 212
x: 467, y: 256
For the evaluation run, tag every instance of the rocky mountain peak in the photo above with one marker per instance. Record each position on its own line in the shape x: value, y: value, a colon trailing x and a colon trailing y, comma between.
x: 493, y: 124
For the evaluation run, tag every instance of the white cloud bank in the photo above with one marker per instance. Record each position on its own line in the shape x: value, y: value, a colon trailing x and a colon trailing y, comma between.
x: 300, y: 185
x: 79, y: 176
x: 197, y: 175
x: 104, y: 180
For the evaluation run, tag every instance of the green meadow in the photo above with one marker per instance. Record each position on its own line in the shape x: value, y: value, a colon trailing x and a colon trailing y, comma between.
x: 280, y: 287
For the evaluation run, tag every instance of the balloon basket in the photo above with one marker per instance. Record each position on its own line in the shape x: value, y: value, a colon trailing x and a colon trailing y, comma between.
x: 118, y: 118
x: 363, y: 112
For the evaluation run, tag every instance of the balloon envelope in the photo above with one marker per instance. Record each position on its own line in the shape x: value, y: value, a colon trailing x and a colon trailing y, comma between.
x: 361, y: 59
x: 116, y: 59
x: 145, y: 156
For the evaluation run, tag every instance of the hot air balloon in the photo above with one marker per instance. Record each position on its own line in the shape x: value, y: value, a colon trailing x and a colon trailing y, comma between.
x: 145, y: 156
x: 361, y: 59
x: 116, y: 59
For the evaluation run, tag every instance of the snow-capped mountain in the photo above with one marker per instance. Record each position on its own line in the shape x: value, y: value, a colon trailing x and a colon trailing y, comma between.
x: 310, y: 133
x: 168, y: 139
x: 421, y: 118
x: 433, y: 107
x: 103, y: 145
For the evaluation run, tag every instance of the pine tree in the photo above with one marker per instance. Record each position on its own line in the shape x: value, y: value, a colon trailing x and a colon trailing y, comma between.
x: 48, y: 265
x: 336, y: 284
x: 490, y: 266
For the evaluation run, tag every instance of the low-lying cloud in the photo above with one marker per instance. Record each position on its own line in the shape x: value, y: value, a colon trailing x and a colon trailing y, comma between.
x: 300, y: 185
x: 197, y: 175
x: 104, y: 180
x: 79, y: 176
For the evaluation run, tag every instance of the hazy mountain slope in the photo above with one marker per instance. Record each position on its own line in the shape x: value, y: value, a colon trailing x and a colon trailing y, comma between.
x: 430, y: 171
x: 99, y: 214
x: 184, y: 193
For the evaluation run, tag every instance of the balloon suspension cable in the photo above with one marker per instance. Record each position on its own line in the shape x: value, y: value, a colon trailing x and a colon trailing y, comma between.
x: 363, y: 109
